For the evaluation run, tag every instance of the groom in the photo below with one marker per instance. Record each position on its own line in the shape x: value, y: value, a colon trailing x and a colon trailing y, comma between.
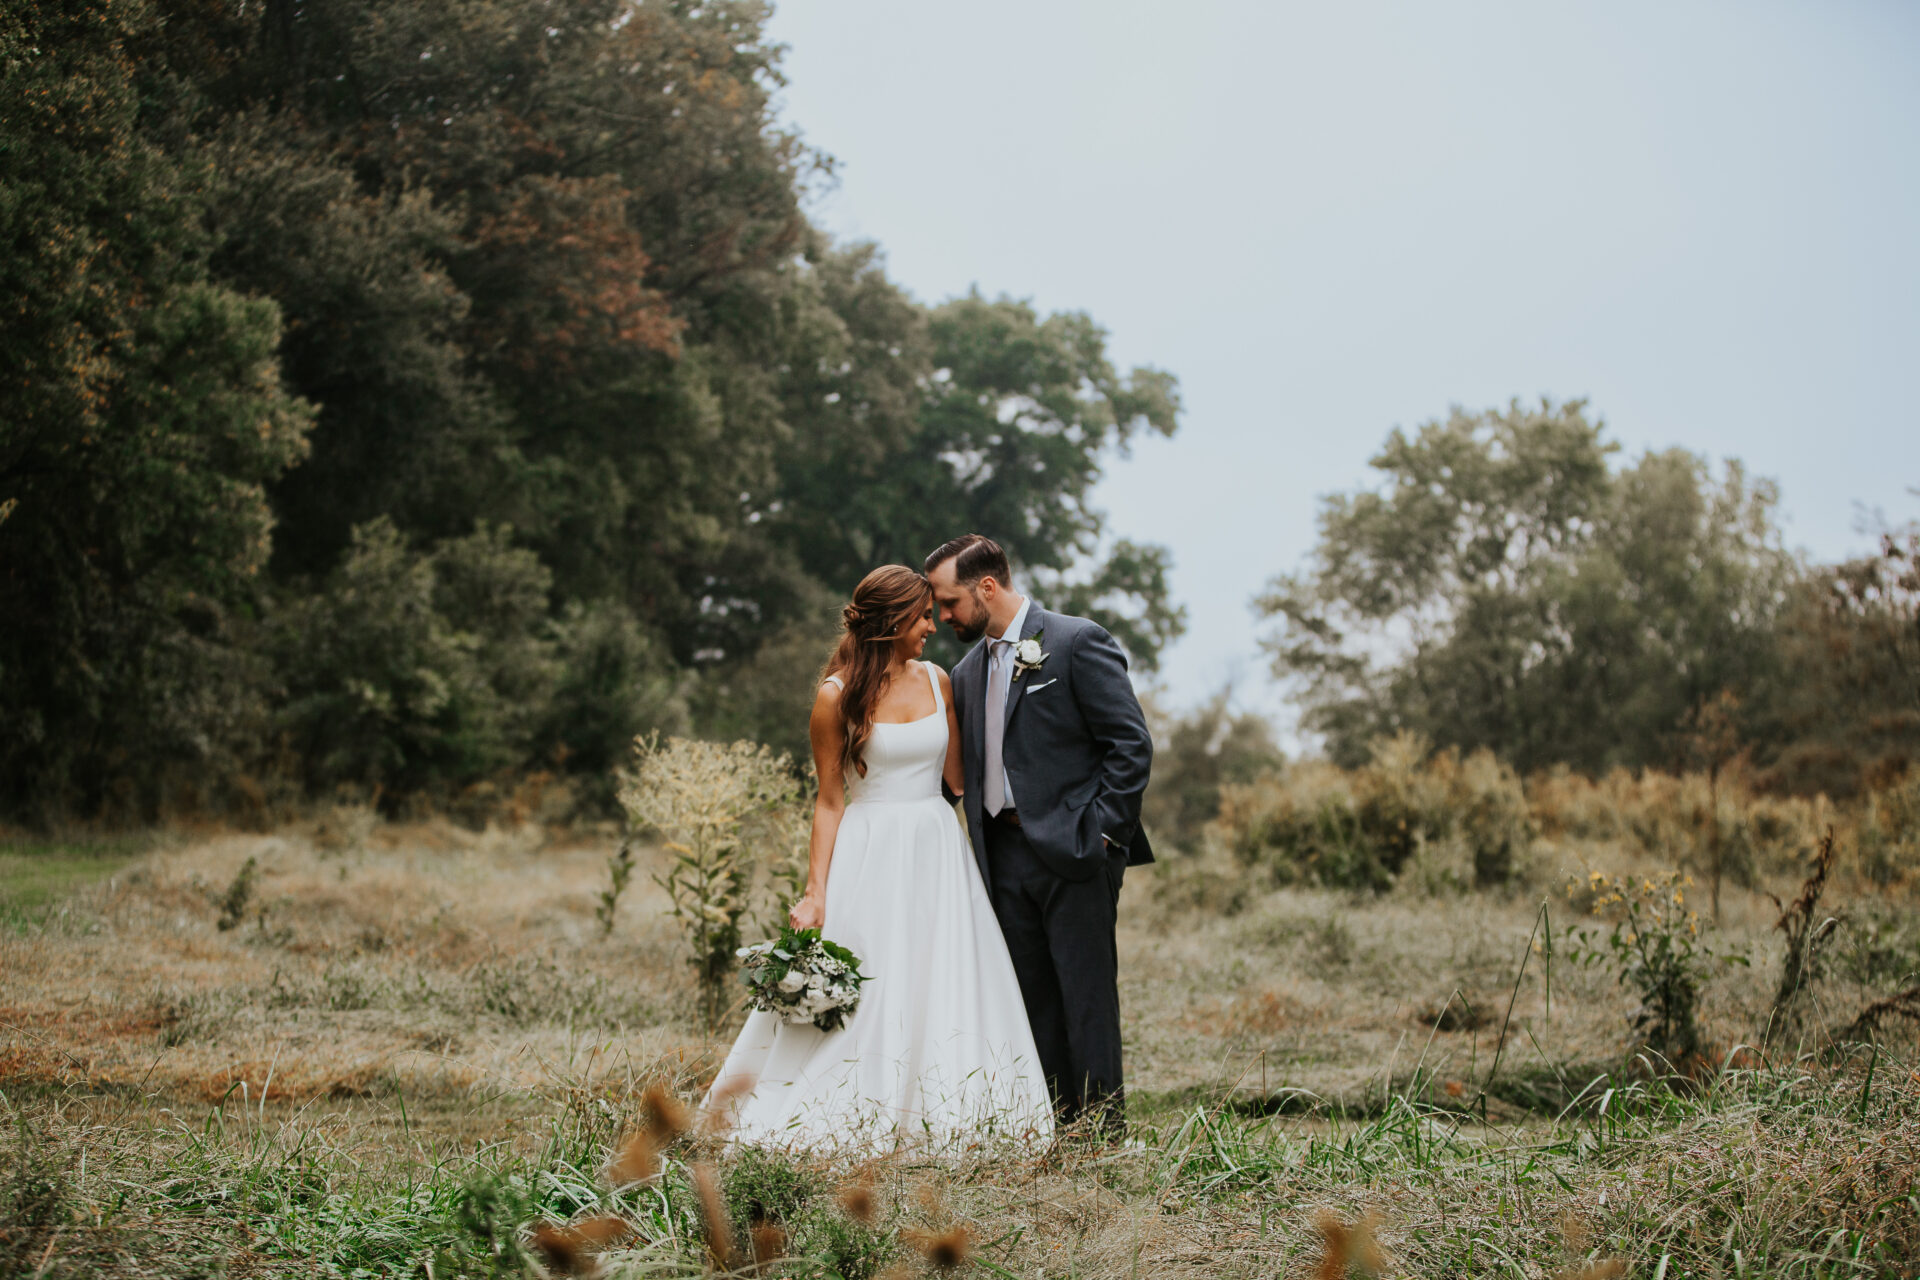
x: 1056, y: 754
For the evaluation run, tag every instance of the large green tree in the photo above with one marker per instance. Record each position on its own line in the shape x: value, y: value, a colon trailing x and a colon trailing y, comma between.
x: 988, y: 417
x: 142, y: 414
x: 1505, y: 586
x: 536, y: 268
x: 1843, y: 712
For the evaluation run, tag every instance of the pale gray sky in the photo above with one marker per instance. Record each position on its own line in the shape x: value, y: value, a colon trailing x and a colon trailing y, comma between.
x: 1333, y: 218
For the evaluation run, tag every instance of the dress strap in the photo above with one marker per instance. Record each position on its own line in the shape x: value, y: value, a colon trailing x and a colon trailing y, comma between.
x: 835, y: 680
x: 933, y: 678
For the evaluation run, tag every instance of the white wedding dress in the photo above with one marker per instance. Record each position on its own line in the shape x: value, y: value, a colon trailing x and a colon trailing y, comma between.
x: 939, y: 1048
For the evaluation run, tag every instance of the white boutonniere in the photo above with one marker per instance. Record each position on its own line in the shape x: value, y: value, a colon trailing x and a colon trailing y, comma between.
x: 1028, y: 655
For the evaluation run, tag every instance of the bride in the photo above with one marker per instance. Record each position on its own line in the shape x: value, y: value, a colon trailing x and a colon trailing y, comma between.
x: 939, y: 1047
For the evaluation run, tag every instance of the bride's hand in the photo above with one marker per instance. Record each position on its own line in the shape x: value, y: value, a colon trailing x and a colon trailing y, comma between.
x: 808, y: 913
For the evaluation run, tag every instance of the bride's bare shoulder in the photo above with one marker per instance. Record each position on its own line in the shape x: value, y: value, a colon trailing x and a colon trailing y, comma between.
x: 825, y: 715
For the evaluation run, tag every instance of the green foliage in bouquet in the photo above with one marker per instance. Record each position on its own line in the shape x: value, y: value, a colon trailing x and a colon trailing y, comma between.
x: 829, y: 976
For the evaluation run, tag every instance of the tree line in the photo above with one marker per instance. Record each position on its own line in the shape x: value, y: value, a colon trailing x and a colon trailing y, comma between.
x: 397, y: 397
x: 1508, y: 588
x: 1508, y: 583
x: 396, y: 394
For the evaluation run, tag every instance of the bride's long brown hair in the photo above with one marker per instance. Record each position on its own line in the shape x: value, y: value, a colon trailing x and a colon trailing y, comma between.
x: 886, y: 602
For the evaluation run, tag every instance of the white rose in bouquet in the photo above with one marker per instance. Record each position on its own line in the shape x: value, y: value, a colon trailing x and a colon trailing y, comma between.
x: 802, y: 977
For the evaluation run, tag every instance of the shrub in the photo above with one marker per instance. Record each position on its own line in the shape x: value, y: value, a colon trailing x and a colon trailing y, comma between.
x: 1361, y: 828
x: 613, y: 682
x: 767, y: 696
x: 1890, y: 831
x: 1491, y: 807
x: 1654, y: 947
x: 1194, y: 756
x: 842, y: 1246
x: 760, y: 1185
x: 1402, y: 804
x: 495, y: 595
x: 1671, y: 817
x: 382, y: 689
x: 1880, y: 945
x: 1569, y: 805
x: 1300, y: 824
x: 433, y: 671
x: 234, y: 902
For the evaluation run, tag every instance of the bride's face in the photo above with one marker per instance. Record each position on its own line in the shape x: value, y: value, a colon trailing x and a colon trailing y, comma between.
x: 913, y: 637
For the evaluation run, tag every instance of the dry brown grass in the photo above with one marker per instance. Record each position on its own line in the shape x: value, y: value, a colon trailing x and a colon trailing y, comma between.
x: 714, y: 1217
x: 448, y: 964
x: 428, y: 991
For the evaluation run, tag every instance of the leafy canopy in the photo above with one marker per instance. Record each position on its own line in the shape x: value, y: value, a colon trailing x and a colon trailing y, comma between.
x: 1505, y: 586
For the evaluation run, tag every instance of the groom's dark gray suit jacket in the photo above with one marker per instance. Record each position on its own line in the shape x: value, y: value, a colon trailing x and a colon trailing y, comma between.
x: 1076, y: 748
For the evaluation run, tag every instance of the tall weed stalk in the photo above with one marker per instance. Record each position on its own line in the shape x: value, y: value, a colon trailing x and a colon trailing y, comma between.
x: 718, y: 808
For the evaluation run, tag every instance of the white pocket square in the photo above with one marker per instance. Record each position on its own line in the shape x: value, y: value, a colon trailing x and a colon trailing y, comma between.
x: 1035, y: 688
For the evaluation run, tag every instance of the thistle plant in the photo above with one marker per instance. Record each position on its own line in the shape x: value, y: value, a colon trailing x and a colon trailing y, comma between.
x: 712, y: 805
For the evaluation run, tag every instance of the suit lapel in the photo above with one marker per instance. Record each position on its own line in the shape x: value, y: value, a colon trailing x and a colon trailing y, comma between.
x: 1016, y: 689
x: 972, y: 728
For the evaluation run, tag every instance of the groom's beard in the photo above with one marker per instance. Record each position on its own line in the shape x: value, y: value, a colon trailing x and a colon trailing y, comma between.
x: 971, y: 630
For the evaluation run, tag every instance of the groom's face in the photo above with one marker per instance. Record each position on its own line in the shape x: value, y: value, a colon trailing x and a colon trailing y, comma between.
x: 960, y: 607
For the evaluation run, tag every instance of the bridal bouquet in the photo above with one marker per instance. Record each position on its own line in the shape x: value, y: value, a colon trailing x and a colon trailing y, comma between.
x: 803, y: 978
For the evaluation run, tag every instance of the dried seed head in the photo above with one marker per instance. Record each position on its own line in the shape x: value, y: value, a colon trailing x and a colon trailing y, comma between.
x: 1333, y: 1247
x: 1364, y: 1245
x: 599, y: 1232
x: 713, y: 1215
x: 946, y: 1250
x: 928, y: 1196
x: 666, y: 1118
x: 558, y: 1250
x: 1455, y: 1089
x: 1573, y: 1232
x: 717, y: 1115
x: 769, y: 1245
x: 636, y: 1160
x: 857, y: 1200
x: 1602, y: 1269
x: 564, y: 1247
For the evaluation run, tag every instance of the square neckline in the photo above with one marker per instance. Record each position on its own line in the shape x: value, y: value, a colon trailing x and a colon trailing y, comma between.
x: 939, y: 703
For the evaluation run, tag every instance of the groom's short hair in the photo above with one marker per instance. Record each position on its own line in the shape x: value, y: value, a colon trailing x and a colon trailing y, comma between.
x: 975, y: 556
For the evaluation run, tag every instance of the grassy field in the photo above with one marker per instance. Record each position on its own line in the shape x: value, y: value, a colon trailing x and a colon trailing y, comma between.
x: 411, y: 1044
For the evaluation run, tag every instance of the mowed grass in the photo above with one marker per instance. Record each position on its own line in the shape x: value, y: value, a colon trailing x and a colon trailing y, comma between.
x: 36, y: 875
x: 416, y: 1045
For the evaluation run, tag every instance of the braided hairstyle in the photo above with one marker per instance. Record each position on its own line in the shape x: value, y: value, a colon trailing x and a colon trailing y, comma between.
x: 884, y: 604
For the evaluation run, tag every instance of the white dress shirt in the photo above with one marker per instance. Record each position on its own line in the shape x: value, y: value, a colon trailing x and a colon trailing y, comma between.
x: 999, y: 652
